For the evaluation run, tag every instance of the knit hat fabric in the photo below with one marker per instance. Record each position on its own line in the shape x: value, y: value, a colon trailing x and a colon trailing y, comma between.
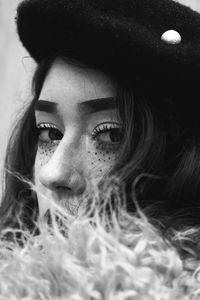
x: 125, y: 39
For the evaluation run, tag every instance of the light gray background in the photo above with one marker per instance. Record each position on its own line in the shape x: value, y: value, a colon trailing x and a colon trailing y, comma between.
x: 16, y: 69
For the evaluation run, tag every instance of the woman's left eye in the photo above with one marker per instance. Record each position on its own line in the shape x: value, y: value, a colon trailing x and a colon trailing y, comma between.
x: 109, y: 136
x: 48, y: 133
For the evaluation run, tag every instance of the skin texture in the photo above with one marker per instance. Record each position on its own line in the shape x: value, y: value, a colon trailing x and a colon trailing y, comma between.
x: 76, y: 150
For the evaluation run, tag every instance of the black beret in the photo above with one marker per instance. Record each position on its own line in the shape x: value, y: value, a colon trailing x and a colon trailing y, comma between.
x: 122, y: 37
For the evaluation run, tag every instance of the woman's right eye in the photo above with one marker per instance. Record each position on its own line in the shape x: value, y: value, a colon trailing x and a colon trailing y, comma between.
x: 48, y: 133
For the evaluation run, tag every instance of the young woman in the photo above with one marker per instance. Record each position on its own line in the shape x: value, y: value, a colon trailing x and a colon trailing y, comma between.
x: 113, y: 121
x: 113, y: 94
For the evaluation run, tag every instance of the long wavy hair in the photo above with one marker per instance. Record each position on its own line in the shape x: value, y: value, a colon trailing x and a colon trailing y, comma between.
x: 157, y: 163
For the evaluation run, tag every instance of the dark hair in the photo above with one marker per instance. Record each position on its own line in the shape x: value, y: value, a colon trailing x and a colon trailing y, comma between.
x: 156, y: 158
x: 161, y: 159
x: 19, y: 208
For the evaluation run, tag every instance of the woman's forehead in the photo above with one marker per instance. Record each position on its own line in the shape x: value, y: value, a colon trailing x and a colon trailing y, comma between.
x: 71, y: 82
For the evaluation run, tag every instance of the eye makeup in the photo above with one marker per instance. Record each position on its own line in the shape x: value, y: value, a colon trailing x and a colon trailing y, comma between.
x: 107, y: 136
x: 49, y: 137
x: 99, y: 153
x: 48, y: 133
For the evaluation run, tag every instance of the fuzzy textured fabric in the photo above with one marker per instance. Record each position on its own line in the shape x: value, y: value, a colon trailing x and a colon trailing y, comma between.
x: 123, y: 38
x: 98, y: 252
x: 123, y: 258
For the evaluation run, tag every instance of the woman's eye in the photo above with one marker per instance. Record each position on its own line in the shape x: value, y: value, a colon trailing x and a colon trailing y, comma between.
x: 108, y: 135
x: 48, y: 133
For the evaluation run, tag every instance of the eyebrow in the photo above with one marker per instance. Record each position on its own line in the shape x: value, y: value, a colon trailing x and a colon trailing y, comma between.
x: 46, y: 106
x: 94, y: 105
x: 88, y: 106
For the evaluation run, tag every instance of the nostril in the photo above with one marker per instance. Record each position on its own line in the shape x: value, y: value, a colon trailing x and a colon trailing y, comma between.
x: 62, y: 192
x: 63, y: 188
x: 67, y: 191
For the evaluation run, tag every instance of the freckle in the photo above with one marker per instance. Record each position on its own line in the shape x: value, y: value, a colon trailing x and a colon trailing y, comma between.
x: 109, y: 158
x: 104, y: 160
x: 113, y: 152
x: 88, y: 152
x: 103, y: 154
x: 99, y: 159
x: 100, y: 170
x: 92, y: 163
x: 95, y: 153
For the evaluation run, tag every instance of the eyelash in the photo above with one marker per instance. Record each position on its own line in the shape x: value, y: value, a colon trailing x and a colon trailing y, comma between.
x: 44, y: 127
x: 97, y: 131
x: 106, y: 128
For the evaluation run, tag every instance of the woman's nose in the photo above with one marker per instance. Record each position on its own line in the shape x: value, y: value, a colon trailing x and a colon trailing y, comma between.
x: 63, y: 173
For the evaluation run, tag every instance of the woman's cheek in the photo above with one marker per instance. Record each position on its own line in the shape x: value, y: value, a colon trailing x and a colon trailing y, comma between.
x: 99, y: 162
x: 96, y: 162
x: 44, y: 154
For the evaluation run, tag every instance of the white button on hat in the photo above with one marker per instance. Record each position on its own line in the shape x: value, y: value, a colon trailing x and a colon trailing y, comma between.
x: 171, y: 37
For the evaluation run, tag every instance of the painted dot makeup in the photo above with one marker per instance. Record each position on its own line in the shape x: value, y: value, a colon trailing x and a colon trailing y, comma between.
x: 98, y: 156
x: 45, y: 152
x: 101, y: 162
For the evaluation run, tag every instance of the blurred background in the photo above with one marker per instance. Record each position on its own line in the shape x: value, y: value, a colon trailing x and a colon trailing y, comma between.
x: 16, y: 68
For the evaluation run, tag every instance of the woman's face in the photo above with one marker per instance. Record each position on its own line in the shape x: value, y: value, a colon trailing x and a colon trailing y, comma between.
x: 79, y: 133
